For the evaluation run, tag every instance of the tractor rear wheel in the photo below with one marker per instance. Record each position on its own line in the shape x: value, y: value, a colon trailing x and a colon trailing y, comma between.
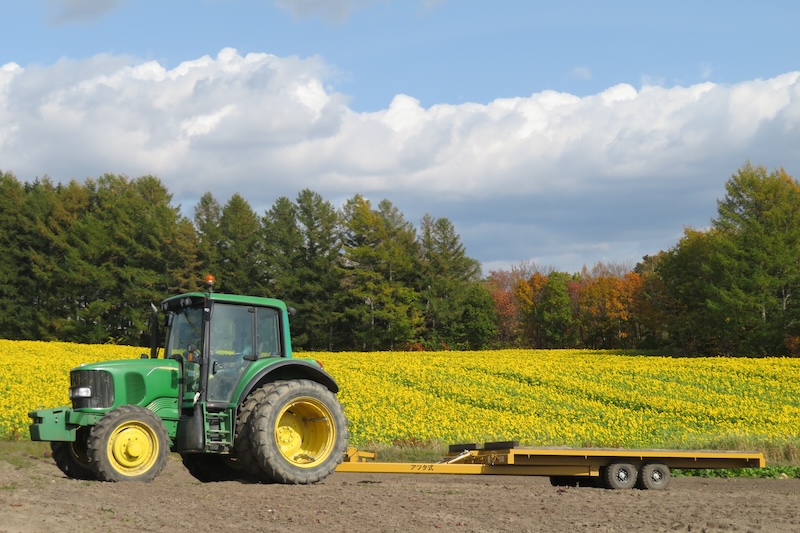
x: 299, y: 432
x: 243, y: 444
x: 130, y: 443
x: 71, y: 457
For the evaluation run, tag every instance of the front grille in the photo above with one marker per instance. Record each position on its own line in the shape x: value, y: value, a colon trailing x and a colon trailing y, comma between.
x: 99, y: 381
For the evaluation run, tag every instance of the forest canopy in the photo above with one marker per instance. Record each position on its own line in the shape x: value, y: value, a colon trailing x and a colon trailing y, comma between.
x: 83, y: 261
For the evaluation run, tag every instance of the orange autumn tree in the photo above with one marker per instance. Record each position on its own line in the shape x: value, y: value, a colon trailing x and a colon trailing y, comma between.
x: 605, y: 309
x: 609, y: 306
x: 500, y: 285
x: 528, y: 293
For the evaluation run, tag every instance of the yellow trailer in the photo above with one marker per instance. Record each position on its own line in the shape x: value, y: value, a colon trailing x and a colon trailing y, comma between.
x: 608, y: 467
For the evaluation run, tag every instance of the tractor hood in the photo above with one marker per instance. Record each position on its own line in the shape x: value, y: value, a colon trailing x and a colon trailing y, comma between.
x: 124, y: 382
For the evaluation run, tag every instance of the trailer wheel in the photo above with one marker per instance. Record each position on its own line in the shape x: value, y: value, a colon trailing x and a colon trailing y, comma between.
x: 71, y: 457
x: 654, y: 476
x: 130, y: 443
x: 299, y: 432
x: 243, y: 445
x: 209, y: 468
x: 620, y: 476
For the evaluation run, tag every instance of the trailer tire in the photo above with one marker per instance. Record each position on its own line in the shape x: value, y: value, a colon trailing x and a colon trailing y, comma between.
x: 243, y: 444
x: 71, y: 457
x: 620, y: 476
x: 654, y: 476
x: 299, y: 432
x: 130, y: 443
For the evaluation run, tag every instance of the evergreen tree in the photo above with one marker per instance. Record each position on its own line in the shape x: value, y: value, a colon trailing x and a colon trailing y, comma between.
x: 689, y: 272
x: 185, y: 269
x: 50, y: 213
x: 303, y: 250
x: 283, y: 242
x: 242, y: 264
x: 318, y: 271
x: 207, y: 214
x: 759, y: 253
x: 380, y: 306
x: 446, y: 279
x: 121, y: 258
x: 554, y: 311
x: 478, y: 322
x: 15, y: 281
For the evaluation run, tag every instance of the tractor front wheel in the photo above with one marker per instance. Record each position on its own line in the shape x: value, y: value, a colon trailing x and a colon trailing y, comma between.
x: 299, y: 432
x: 130, y: 443
x: 71, y: 457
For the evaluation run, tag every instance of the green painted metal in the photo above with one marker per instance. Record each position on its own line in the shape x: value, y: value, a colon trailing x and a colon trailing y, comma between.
x: 256, y: 301
x: 142, y: 382
x: 59, y: 423
x: 173, y: 386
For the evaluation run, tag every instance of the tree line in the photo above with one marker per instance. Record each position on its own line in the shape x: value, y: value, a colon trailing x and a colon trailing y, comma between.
x: 83, y: 261
x: 732, y: 289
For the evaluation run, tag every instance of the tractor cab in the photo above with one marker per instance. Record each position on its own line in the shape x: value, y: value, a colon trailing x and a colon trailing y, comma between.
x: 216, y: 337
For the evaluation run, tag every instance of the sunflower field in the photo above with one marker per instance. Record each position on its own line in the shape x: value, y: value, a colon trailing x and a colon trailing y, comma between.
x: 538, y: 397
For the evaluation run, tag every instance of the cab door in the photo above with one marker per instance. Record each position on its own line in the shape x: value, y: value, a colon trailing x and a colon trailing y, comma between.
x: 231, y: 340
x: 185, y: 344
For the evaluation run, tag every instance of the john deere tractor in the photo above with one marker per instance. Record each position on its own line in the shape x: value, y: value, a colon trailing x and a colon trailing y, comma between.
x: 227, y: 395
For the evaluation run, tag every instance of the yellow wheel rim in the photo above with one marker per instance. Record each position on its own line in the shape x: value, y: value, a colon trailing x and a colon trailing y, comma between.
x: 305, y: 432
x: 133, y: 448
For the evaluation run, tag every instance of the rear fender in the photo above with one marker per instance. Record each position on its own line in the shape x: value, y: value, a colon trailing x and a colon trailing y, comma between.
x: 287, y: 369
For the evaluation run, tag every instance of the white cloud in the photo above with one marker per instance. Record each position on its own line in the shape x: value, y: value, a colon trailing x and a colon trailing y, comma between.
x: 340, y: 10
x: 550, y: 176
x: 334, y: 10
x: 582, y: 73
x: 79, y: 11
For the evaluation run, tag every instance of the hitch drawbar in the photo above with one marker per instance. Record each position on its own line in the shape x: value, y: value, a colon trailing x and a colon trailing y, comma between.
x: 607, y: 467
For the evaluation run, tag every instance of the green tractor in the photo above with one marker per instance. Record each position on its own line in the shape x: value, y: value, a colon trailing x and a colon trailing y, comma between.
x: 227, y: 395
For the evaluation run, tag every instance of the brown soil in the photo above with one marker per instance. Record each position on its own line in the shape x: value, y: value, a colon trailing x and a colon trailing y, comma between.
x: 35, y: 496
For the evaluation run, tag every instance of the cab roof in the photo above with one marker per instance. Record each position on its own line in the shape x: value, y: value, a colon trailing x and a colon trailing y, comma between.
x: 230, y: 298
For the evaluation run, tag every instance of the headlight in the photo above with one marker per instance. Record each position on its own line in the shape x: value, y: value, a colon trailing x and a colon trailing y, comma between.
x: 80, y: 392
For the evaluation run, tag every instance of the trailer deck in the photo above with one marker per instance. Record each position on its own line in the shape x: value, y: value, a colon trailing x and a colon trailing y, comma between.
x: 609, y: 467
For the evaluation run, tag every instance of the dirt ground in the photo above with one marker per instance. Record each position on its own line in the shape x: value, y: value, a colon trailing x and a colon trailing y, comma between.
x: 36, y: 497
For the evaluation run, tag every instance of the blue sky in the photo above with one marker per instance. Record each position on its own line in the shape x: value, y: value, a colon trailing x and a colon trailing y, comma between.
x: 561, y: 134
